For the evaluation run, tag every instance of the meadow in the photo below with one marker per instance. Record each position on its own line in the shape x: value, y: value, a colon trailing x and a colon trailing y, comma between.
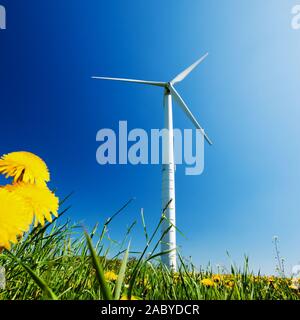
x: 61, y: 260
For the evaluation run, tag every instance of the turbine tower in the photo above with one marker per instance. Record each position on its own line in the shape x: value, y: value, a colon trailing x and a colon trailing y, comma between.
x: 168, y: 243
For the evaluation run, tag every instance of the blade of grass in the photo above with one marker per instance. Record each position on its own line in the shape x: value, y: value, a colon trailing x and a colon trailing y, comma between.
x: 109, y: 220
x: 99, y: 270
x: 121, y: 275
x: 137, y: 267
x: 144, y: 225
x: 38, y: 280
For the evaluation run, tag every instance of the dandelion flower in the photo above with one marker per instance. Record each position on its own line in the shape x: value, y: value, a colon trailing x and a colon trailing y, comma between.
x: 207, y: 282
x: 229, y: 283
x: 176, y: 277
x: 125, y: 297
x: 110, y: 276
x: 24, y: 167
x: 14, y: 219
x: 271, y: 280
x: 294, y: 287
x: 38, y: 200
x: 216, y: 278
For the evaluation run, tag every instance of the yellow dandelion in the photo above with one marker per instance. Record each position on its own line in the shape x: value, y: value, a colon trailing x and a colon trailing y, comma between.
x: 24, y: 167
x: 110, y: 276
x: 14, y: 219
x: 294, y: 287
x: 271, y: 280
x: 207, y: 282
x: 216, y: 278
x: 125, y: 297
x: 176, y: 277
x: 229, y: 283
x: 39, y: 201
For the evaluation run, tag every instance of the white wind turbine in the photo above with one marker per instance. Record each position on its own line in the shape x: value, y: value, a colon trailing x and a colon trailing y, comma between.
x: 168, y: 171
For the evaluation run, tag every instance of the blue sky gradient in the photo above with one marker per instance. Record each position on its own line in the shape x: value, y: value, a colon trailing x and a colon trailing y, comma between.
x: 246, y: 95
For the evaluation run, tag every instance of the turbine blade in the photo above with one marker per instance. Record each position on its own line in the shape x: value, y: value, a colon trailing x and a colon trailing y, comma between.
x: 188, y: 70
x: 188, y: 112
x: 151, y: 83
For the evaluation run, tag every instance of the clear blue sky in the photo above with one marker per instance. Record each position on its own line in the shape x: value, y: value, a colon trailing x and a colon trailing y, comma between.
x: 246, y: 95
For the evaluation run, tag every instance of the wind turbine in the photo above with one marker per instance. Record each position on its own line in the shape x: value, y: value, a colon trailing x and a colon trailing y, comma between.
x: 168, y: 243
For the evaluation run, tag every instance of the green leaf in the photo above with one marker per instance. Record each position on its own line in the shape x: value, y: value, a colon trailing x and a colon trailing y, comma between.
x: 99, y: 270
x: 121, y: 275
x: 38, y: 280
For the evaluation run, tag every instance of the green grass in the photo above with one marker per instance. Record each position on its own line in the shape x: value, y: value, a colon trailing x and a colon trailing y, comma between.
x: 63, y: 261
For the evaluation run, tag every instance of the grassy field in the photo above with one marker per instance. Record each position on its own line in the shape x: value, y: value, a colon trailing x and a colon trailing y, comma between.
x: 62, y: 261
